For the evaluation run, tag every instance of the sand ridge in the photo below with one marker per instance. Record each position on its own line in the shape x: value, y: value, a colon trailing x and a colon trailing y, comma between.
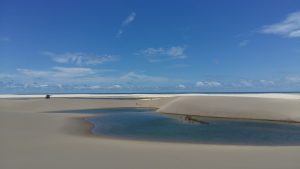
x: 259, y: 108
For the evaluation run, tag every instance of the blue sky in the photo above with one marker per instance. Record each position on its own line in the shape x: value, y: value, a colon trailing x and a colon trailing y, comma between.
x: 149, y: 46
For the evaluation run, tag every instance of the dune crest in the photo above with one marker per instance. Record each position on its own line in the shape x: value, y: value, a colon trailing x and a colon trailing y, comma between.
x: 236, y: 107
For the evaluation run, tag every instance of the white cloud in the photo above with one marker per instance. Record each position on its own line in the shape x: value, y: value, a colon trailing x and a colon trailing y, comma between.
x: 36, y: 85
x: 79, y: 58
x: 34, y: 73
x: 82, y: 78
x: 153, y: 51
x: 72, y: 71
x: 181, y: 86
x: 81, y: 75
x: 60, y: 86
x: 267, y: 82
x: 132, y: 76
x: 5, y: 76
x: 160, y: 54
x: 115, y: 86
x: 57, y: 72
x: 95, y: 87
x: 10, y: 85
x: 176, y: 52
x: 208, y: 84
x: 289, y: 27
x: 246, y: 83
x: 129, y: 19
x: 243, y: 83
x: 292, y: 79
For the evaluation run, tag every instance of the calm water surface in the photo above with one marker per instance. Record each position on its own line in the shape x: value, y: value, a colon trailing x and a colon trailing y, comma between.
x: 146, y: 124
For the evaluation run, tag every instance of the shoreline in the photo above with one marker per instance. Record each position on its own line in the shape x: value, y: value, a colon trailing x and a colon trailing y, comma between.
x: 237, y: 119
x: 79, y: 126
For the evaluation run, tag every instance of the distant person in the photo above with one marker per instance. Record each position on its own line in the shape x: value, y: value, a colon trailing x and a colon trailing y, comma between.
x: 47, y: 96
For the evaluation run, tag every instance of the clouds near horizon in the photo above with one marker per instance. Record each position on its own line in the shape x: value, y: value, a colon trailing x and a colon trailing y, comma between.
x: 161, y: 46
x: 161, y: 54
x: 79, y: 58
x: 208, y: 84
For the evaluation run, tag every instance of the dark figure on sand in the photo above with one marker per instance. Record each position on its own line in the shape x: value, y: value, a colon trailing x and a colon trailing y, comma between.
x: 189, y: 118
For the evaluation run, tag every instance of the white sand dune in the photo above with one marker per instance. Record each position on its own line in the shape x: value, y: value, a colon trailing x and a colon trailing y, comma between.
x: 32, y: 139
x: 262, y: 108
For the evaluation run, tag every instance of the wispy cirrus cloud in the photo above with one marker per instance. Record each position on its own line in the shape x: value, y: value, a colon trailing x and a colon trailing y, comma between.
x: 79, y: 75
x: 181, y: 86
x: 72, y: 71
x: 57, y: 72
x: 243, y: 83
x: 208, y: 84
x: 267, y: 82
x: 116, y: 86
x: 79, y: 58
x: 135, y: 77
x: 293, y: 79
x: 129, y: 19
x: 161, y: 54
x: 34, y: 73
x: 289, y: 27
x: 259, y: 83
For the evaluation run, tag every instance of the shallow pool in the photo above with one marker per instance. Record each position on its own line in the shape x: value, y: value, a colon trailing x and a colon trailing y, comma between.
x: 146, y: 124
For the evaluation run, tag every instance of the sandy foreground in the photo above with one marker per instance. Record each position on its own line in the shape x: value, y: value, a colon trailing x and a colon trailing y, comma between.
x: 30, y: 138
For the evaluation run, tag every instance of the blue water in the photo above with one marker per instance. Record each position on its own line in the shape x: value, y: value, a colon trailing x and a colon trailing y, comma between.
x: 146, y: 124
